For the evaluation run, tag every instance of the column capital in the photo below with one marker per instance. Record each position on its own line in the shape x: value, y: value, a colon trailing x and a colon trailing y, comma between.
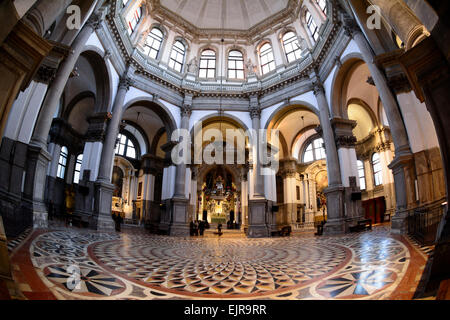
x: 95, y: 21
x: 186, y: 110
x: 318, y: 88
x: 125, y: 82
x: 255, y: 112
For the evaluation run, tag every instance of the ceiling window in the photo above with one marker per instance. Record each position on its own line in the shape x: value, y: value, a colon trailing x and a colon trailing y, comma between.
x: 312, y: 26
x: 134, y: 20
x: 323, y: 6
x: 77, y: 173
x: 125, y: 147
x: 208, y: 64
x: 153, y: 43
x: 62, y: 163
x: 291, y: 47
x: 362, y: 175
x: 267, y: 58
x: 377, y: 171
x: 177, y: 56
x: 314, y: 151
x: 235, y: 65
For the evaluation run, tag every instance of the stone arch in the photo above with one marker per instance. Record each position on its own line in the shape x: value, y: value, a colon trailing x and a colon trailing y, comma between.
x: 289, y: 107
x: 141, y: 131
x: 348, y: 62
x: 376, y: 121
x: 162, y: 111
x: 101, y: 70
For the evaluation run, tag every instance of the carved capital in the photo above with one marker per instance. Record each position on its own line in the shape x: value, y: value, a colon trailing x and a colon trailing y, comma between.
x: 318, y: 88
x: 125, y: 82
x: 95, y: 21
x: 45, y: 74
x: 255, y: 112
x: 346, y: 141
x: 186, y: 110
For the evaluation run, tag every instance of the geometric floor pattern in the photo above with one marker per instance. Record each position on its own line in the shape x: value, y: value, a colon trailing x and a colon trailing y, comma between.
x: 74, y: 264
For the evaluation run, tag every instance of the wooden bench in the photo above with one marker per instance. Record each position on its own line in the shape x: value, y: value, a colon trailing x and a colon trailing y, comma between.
x: 362, y: 225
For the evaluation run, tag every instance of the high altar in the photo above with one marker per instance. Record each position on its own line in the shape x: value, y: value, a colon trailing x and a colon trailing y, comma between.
x: 219, y: 199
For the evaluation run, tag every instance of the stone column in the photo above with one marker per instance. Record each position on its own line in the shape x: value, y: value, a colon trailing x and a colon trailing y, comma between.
x: 179, y: 225
x: 401, y: 18
x: 402, y: 164
x: 103, y: 187
x: 335, y: 191
x: 288, y: 173
x: 257, y: 218
x: 346, y: 143
x: 56, y: 89
x: 44, y: 14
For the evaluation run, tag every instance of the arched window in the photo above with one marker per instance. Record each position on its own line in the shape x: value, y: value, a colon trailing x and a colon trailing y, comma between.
x: 314, y: 151
x: 291, y: 47
x: 312, y: 26
x: 125, y: 147
x: 362, y: 175
x: 177, y: 56
x: 133, y: 21
x: 62, y: 163
x: 235, y: 65
x: 323, y: 6
x: 267, y: 58
x: 153, y: 43
x: 377, y: 171
x: 207, y: 64
x: 77, y: 173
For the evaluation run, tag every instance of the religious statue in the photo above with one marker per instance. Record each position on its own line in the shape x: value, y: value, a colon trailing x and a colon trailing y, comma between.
x: 193, y: 66
x: 219, y: 186
x: 250, y: 67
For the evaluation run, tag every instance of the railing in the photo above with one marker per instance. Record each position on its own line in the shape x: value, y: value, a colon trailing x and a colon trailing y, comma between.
x: 424, y: 222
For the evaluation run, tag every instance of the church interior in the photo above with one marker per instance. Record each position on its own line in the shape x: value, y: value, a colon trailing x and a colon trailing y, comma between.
x: 349, y: 97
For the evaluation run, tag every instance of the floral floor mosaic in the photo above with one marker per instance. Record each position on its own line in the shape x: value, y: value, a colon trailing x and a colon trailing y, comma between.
x: 74, y: 264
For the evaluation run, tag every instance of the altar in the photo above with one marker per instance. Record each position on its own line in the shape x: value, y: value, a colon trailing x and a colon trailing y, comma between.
x: 219, y: 199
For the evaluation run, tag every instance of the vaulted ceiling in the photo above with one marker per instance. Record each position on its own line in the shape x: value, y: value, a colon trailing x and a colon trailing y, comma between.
x: 225, y: 14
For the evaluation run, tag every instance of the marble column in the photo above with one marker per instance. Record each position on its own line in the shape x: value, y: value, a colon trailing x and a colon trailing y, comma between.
x: 44, y: 13
x: 402, y: 163
x: 346, y: 145
x: 335, y: 191
x: 51, y: 102
x: 103, y: 186
x: 179, y: 225
x: 404, y: 22
x: 257, y: 218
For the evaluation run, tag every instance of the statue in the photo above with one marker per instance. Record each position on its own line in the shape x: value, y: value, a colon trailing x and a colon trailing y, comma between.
x: 193, y: 66
x: 250, y: 67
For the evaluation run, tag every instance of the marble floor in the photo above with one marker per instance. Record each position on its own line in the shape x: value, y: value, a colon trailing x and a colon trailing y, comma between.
x: 71, y: 264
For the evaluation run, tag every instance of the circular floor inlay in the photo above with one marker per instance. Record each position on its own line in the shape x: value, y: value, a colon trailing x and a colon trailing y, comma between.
x: 225, y: 268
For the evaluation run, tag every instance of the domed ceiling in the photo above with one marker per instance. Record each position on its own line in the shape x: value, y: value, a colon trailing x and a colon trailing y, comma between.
x: 225, y: 14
